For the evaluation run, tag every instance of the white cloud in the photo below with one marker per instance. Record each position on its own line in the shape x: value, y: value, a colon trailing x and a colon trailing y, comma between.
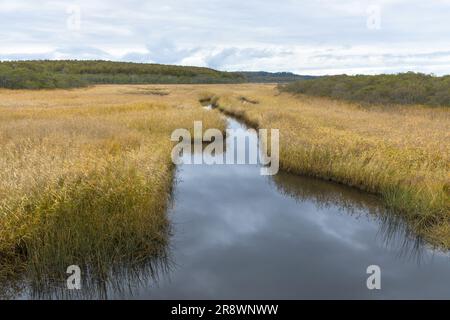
x: 305, y: 36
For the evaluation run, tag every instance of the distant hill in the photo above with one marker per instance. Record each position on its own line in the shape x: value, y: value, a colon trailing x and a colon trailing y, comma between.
x: 277, y: 77
x: 47, y: 74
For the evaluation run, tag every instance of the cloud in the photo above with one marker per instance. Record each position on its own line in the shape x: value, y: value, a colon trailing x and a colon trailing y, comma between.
x: 228, y: 57
x: 323, y: 36
x: 68, y: 52
x: 165, y: 51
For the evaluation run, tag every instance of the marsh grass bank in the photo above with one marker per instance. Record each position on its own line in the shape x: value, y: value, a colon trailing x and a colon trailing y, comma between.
x: 85, y: 178
x: 401, y: 153
x: 86, y: 174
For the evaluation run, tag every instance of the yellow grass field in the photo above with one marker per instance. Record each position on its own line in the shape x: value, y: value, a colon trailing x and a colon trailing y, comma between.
x: 86, y: 174
x: 401, y: 153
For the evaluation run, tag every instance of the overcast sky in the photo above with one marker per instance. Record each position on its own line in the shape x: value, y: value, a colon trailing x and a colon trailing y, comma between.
x: 302, y: 36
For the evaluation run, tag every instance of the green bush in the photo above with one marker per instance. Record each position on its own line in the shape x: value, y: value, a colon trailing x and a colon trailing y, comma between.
x: 403, y: 88
x: 48, y: 74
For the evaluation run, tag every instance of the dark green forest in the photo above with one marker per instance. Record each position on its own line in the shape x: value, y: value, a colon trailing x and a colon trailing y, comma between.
x: 402, y: 88
x: 46, y: 74
x: 272, y: 77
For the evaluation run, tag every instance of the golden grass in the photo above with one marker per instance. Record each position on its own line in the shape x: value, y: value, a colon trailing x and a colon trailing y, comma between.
x: 399, y: 152
x: 86, y: 174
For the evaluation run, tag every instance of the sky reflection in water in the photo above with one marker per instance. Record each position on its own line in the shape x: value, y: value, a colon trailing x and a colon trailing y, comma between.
x: 241, y: 235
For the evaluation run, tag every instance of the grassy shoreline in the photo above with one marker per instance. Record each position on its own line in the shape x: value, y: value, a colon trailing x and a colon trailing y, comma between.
x: 378, y: 150
x: 86, y: 177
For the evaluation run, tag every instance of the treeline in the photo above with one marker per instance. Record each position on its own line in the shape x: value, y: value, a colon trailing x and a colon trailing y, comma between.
x: 272, y: 77
x: 403, y: 88
x: 47, y: 74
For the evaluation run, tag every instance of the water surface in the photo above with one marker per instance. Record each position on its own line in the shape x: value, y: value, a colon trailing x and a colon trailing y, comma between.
x: 240, y: 235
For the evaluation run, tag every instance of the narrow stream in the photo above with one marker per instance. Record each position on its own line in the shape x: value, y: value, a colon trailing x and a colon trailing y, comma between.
x: 240, y: 235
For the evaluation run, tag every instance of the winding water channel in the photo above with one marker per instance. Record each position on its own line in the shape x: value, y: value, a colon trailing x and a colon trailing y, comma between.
x: 240, y: 235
